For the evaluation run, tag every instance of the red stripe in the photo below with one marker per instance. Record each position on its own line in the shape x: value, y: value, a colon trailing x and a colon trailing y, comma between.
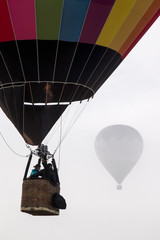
x: 6, y: 31
x: 142, y: 33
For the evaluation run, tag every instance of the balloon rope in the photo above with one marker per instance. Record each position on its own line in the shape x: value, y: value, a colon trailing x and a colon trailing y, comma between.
x: 6, y: 67
x: 9, y: 113
x: 16, y: 43
x: 5, y: 64
x: 21, y: 65
x: 74, y: 94
x: 38, y: 73
x: 37, y: 61
x: 77, y: 113
x: 109, y: 72
x: 19, y: 56
x: 23, y: 123
x: 73, y: 57
x: 11, y: 148
x: 55, y: 61
x: 60, y: 144
x: 65, y: 116
x: 71, y: 125
x: 57, y: 125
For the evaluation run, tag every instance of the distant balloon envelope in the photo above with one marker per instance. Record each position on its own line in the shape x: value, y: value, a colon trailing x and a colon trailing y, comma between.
x: 119, y: 147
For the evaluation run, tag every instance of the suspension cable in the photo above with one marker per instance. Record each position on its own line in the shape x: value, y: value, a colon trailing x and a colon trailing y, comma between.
x: 60, y: 144
x: 70, y: 127
x: 11, y: 148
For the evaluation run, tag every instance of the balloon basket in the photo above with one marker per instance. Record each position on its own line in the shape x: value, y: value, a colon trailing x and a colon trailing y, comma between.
x: 37, y: 197
x: 119, y: 187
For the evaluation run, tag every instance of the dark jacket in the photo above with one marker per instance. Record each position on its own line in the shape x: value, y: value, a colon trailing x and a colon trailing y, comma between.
x: 47, y: 173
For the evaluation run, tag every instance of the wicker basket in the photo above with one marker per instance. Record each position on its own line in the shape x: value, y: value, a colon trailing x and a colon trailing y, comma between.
x: 37, y: 197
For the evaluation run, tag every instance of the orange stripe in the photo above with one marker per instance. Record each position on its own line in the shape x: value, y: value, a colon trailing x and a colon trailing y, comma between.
x: 135, y: 16
x: 140, y: 26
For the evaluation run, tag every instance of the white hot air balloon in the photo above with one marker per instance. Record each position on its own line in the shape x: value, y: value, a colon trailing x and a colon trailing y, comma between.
x: 119, y: 147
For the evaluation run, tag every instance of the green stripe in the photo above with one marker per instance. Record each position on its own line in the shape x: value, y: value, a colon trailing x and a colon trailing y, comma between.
x: 48, y: 16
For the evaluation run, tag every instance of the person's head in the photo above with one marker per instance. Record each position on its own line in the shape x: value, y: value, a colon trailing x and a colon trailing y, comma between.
x: 37, y: 166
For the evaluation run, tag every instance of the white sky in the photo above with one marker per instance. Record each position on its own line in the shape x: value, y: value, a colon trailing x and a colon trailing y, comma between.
x: 96, y: 210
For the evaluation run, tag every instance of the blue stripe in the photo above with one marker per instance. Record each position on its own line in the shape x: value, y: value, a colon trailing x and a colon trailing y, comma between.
x: 74, y: 13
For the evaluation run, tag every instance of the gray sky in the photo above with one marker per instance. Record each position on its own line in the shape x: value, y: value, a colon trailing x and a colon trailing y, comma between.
x: 96, y: 210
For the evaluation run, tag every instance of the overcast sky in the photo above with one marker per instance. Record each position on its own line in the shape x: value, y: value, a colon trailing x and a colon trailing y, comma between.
x: 95, y: 209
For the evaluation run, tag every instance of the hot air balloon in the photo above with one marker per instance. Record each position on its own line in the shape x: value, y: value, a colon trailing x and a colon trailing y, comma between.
x: 119, y: 147
x: 55, y: 53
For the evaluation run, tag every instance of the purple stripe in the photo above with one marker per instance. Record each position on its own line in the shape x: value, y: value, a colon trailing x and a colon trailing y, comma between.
x: 105, y: 2
x: 95, y: 20
x: 23, y: 18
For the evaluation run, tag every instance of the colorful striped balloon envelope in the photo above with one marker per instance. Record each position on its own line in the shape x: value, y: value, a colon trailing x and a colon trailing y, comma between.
x: 54, y: 52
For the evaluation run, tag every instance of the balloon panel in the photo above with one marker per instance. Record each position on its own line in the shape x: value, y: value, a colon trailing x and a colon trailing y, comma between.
x: 77, y: 10
x: 66, y: 48
x: 105, y: 23
x: 119, y: 147
x: 23, y: 18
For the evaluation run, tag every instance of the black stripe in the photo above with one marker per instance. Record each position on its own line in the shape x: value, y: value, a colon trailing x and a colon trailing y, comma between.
x: 89, y: 62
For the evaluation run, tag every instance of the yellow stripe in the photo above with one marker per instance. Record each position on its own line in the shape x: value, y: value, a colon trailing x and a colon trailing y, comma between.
x: 121, y: 22
x: 117, y: 17
x: 133, y: 19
